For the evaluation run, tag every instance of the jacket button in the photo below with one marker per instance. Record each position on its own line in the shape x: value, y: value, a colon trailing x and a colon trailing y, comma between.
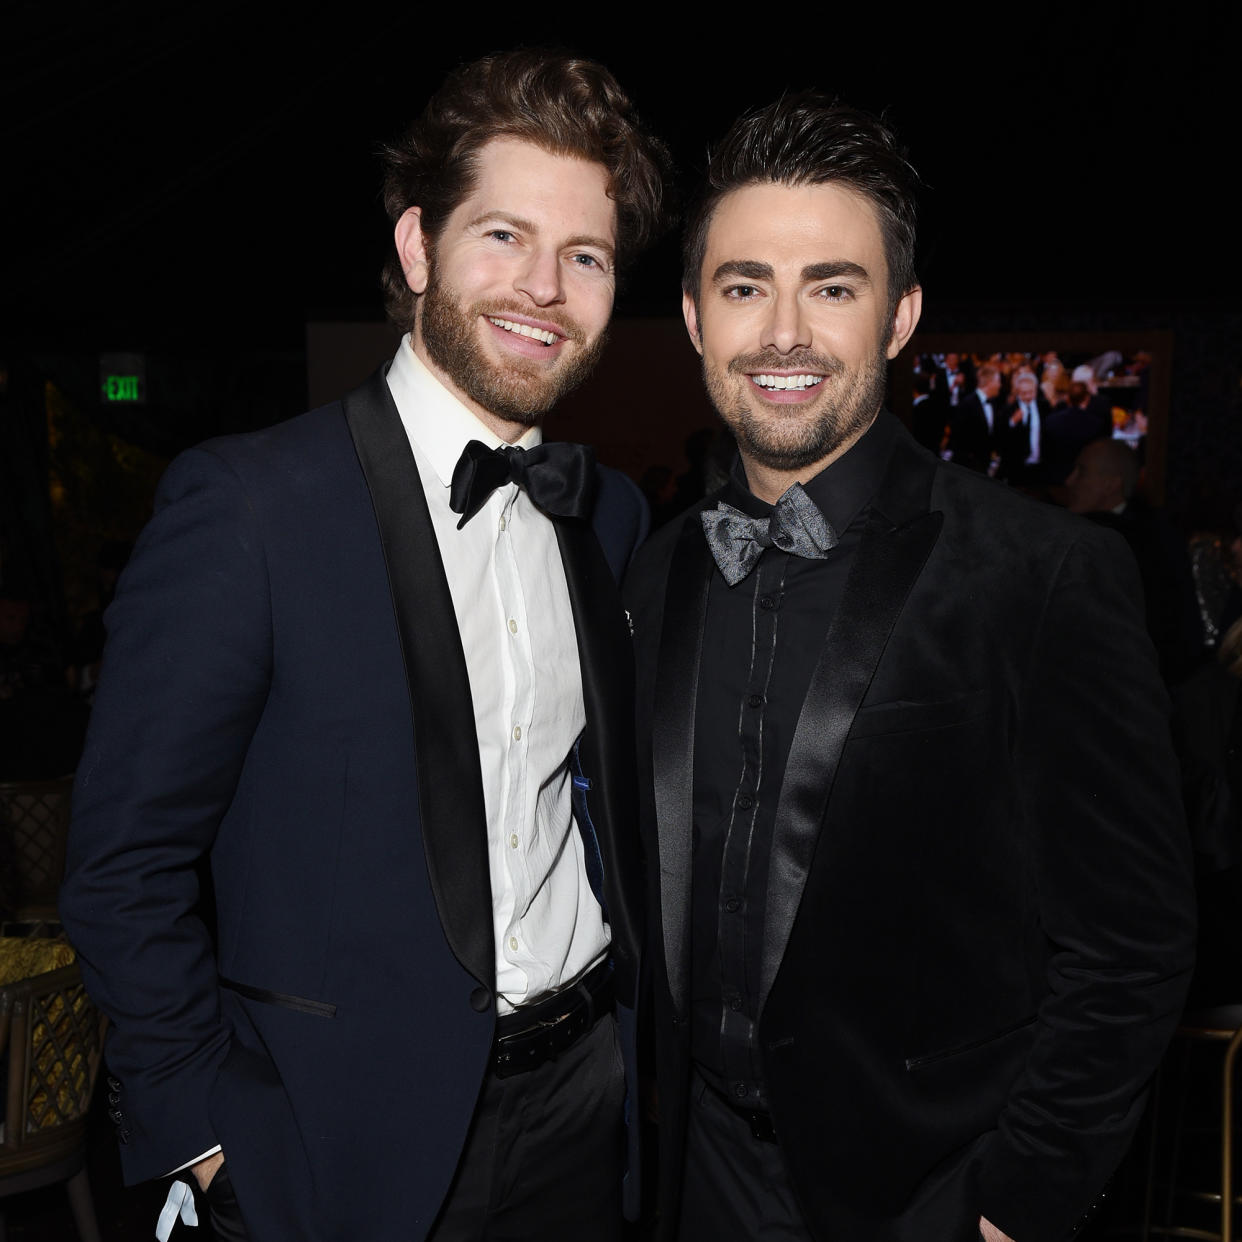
x: 480, y: 1000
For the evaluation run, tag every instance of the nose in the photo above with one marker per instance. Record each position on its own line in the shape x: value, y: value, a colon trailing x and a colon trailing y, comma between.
x: 787, y: 327
x: 540, y: 277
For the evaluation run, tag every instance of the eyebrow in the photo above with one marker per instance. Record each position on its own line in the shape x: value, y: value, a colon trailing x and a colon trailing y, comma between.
x: 528, y: 226
x: 838, y: 267
x: 747, y: 269
x: 587, y: 239
x: 503, y: 217
x: 752, y: 269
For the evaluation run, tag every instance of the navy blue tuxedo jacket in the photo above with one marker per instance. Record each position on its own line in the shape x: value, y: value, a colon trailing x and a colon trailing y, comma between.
x: 979, y: 922
x: 284, y: 693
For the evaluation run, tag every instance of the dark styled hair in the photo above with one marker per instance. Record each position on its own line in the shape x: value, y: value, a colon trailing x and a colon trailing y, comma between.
x: 562, y: 103
x: 805, y: 138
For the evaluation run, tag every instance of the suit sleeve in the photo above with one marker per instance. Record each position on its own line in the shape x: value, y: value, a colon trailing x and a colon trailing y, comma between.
x: 1110, y: 855
x: 185, y: 676
x: 621, y: 518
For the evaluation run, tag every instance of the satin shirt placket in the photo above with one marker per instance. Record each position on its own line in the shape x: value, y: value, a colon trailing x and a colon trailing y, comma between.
x: 747, y: 842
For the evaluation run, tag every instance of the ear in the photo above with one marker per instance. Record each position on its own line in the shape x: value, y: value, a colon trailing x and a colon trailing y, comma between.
x: 905, y: 320
x: 412, y: 248
x: 690, y: 313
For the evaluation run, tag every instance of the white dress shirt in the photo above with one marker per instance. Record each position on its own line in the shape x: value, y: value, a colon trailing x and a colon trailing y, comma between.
x: 517, y: 629
x: 1030, y: 416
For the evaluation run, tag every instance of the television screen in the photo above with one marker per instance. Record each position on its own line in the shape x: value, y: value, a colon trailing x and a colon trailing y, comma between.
x: 1020, y: 408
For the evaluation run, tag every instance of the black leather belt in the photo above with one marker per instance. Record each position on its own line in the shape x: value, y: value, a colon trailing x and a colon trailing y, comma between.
x: 535, y: 1034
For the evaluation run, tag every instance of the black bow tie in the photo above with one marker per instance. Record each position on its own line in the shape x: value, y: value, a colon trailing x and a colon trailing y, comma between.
x: 559, y: 478
x: 795, y: 525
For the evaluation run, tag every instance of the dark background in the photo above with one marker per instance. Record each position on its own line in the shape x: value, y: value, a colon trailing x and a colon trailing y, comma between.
x: 196, y: 184
x: 207, y: 173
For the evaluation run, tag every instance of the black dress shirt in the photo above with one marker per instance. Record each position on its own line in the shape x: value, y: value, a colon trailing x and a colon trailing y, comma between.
x: 761, y: 643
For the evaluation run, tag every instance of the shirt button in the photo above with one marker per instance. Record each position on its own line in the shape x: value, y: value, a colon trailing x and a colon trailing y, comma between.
x: 733, y: 905
x: 745, y: 801
x: 512, y: 626
x: 754, y: 700
x: 502, y: 523
x: 517, y: 733
x: 513, y: 839
x: 513, y: 943
x: 739, y: 1089
x: 767, y: 602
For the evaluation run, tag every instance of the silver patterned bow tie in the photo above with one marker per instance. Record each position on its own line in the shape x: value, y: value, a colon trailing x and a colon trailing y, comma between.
x: 794, y: 525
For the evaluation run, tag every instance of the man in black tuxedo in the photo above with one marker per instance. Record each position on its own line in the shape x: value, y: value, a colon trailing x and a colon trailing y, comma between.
x: 373, y: 666
x: 930, y: 413
x: 976, y: 425
x: 958, y: 377
x: 924, y: 908
x: 1021, y: 437
x: 1069, y: 428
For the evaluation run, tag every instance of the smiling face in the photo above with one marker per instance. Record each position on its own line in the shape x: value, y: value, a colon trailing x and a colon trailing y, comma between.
x: 791, y: 322
x: 517, y: 286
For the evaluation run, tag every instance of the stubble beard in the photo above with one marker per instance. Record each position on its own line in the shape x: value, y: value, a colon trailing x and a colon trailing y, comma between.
x: 522, y: 390
x: 796, y: 436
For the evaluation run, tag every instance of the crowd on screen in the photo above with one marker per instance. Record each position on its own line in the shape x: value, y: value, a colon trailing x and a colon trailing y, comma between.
x: 1025, y: 416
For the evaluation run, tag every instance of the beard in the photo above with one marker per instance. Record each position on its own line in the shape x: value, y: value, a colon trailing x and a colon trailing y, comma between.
x: 794, y: 437
x: 519, y: 390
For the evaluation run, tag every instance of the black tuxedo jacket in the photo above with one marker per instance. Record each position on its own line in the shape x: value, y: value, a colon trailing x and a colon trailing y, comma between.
x: 979, y: 923
x: 285, y: 693
x: 1015, y: 441
x: 970, y: 440
x: 1068, y: 430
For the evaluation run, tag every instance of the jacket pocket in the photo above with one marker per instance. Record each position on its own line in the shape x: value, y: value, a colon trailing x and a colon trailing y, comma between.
x: 944, y: 1054
x: 906, y: 715
x: 300, y: 1004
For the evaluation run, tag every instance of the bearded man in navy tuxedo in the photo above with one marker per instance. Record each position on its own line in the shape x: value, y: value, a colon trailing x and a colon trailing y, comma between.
x: 916, y: 844
x: 373, y: 666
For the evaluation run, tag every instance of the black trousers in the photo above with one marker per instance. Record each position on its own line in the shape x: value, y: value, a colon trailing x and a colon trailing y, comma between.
x: 737, y: 1186
x: 734, y: 1185
x: 546, y: 1152
x: 544, y: 1157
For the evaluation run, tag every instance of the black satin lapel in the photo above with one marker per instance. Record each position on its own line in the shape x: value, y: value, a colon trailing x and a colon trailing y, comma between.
x: 885, y: 568
x: 606, y: 656
x: 450, y: 781
x: 672, y: 741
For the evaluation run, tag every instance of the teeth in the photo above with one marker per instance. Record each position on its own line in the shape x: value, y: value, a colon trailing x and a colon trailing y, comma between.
x: 787, y: 381
x: 522, y: 329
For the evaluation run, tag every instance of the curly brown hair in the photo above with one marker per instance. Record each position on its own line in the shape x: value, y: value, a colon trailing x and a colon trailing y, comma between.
x: 557, y: 101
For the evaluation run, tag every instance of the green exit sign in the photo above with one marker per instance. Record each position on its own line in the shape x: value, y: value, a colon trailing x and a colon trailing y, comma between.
x: 121, y: 388
x: 123, y: 379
